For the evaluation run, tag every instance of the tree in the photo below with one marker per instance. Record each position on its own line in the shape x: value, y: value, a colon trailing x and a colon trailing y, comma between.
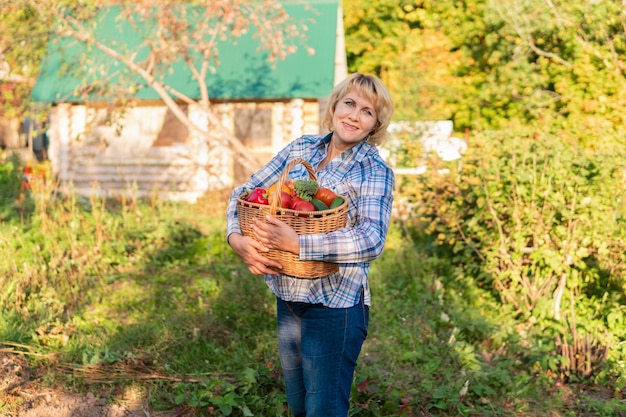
x: 557, y: 66
x: 578, y: 50
x: 22, y: 45
x: 172, y: 33
x: 407, y: 47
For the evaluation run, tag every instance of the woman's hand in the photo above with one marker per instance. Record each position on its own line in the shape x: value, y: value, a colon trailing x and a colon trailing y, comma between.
x: 276, y: 234
x: 250, y: 251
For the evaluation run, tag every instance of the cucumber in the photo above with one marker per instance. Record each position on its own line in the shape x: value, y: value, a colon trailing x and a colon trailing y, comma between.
x: 338, y: 201
x: 319, y: 205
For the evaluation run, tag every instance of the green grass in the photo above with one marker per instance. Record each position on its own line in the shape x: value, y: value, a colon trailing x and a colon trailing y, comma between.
x: 111, y: 296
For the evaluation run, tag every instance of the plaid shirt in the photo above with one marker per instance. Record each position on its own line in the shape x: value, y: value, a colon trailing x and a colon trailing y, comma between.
x: 362, y: 175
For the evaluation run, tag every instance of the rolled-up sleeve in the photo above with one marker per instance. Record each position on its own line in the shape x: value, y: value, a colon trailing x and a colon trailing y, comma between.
x: 365, y: 239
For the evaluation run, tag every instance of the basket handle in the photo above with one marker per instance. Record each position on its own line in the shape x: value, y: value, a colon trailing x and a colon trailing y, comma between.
x: 276, y: 202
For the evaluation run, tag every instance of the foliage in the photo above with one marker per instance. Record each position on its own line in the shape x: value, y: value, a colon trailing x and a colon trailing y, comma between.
x: 490, y: 65
x: 483, y: 64
x: 532, y: 213
x: 23, y: 40
x: 576, y: 49
x: 541, y: 226
x: 111, y: 294
x: 404, y: 45
x: 10, y: 183
x: 129, y: 287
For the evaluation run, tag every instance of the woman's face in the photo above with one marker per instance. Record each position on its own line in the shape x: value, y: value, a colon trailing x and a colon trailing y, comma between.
x: 353, y: 120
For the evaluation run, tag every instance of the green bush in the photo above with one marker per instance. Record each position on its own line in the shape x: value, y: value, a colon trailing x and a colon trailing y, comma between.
x: 533, y: 215
x: 12, y: 197
x: 541, y: 224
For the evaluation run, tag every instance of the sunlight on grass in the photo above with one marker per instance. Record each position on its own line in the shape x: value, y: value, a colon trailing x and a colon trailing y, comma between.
x: 110, y: 292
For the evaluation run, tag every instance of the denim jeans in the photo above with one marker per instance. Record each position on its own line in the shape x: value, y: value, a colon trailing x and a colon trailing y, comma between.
x: 319, y: 347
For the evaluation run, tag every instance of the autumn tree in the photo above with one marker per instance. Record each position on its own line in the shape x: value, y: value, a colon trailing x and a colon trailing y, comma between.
x: 405, y: 45
x: 22, y: 45
x: 576, y: 54
x: 498, y: 65
x: 172, y: 34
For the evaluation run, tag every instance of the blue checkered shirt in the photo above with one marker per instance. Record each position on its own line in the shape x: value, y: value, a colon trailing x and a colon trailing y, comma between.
x: 363, y: 176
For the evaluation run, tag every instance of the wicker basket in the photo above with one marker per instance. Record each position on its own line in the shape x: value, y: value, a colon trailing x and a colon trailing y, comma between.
x: 303, y: 222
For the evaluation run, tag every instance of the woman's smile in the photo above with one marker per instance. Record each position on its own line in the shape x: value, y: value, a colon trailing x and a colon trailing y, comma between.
x: 353, y: 120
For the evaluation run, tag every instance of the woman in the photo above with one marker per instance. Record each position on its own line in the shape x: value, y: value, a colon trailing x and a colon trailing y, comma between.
x: 322, y: 322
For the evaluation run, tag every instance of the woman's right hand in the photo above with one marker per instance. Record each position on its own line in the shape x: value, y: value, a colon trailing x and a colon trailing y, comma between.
x: 251, y: 252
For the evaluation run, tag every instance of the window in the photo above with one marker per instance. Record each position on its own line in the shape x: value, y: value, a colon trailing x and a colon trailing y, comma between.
x: 253, y: 126
x: 172, y: 130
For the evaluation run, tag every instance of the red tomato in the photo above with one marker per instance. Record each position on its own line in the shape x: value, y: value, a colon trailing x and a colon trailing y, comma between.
x: 285, y: 199
x: 303, y: 206
x: 294, y: 200
x: 325, y: 195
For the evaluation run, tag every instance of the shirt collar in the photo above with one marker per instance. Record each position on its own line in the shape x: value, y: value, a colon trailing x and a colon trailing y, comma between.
x: 358, y: 151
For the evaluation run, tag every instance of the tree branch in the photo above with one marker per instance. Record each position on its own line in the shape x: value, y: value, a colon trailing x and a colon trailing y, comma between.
x: 75, y: 30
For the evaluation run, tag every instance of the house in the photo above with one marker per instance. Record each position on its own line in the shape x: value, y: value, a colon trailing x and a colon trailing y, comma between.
x: 146, y: 149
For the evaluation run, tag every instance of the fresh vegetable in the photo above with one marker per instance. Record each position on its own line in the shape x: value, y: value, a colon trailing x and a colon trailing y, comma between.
x: 338, y: 201
x: 325, y: 195
x: 258, y: 196
x: 305, y: 189
x: 319, y: 205
x: 303, y: 205
x: 294, y: 200
x: 285, y: 199
x: 289, y: 184
x: 272, y: 188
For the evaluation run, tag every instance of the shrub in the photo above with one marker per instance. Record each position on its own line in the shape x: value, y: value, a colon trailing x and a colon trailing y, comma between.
x: 533, y: 216
x: 541, y: 224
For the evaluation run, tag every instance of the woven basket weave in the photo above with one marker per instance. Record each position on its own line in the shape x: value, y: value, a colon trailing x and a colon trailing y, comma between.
x: 303, y: 222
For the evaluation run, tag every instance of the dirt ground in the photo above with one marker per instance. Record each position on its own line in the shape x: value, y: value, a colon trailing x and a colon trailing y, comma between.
x: 22, y: 397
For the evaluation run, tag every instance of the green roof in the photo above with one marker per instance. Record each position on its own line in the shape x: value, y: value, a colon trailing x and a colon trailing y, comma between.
x: 244, y: 71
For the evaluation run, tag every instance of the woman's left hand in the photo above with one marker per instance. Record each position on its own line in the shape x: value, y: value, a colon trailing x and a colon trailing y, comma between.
x: 276, y: 234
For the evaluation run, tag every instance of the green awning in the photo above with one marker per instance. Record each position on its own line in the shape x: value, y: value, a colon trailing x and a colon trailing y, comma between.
x: 244, y: 71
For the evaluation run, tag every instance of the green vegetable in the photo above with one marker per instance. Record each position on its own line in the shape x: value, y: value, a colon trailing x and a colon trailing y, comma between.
x: 305, y: 189
x: 338, y: 201
x: 319, y: 205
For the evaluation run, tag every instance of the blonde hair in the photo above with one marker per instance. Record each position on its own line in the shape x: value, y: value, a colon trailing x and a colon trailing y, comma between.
x: 371, y: 87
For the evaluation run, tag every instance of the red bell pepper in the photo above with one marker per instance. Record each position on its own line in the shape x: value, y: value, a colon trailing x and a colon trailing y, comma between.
x: 258, y: 196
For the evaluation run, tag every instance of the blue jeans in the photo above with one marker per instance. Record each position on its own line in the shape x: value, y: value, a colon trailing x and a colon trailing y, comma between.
x: 319, y: 347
